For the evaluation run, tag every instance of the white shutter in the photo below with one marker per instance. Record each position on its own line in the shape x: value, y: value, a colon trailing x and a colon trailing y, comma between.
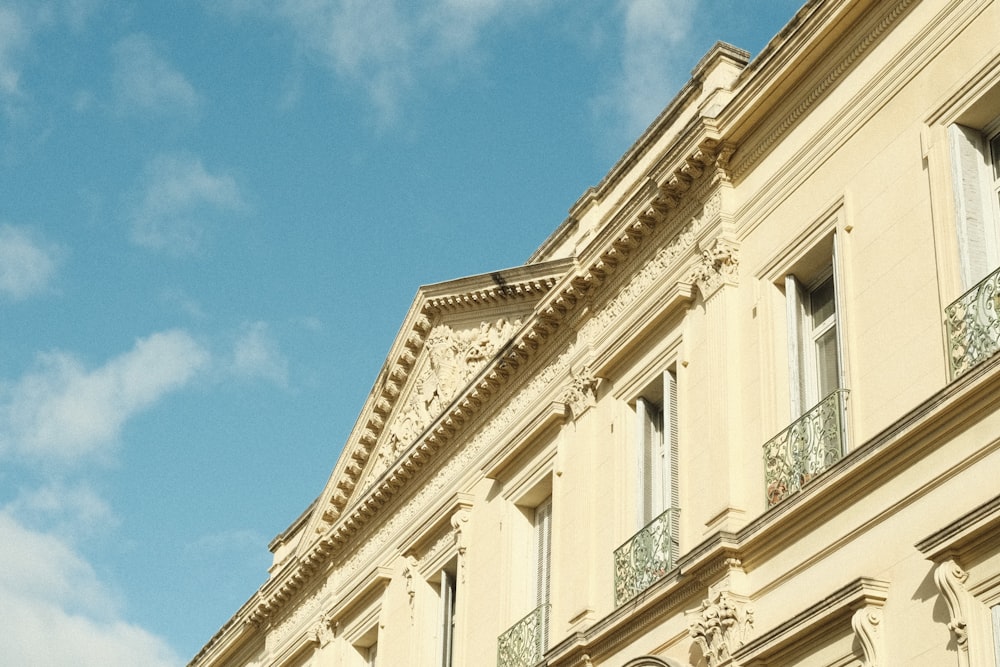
x: 671, y: 460
x: 447, y: 618
x: 646, y: 419
x: 796, y: 381
x: 975, y: 227
x: 543, y: 549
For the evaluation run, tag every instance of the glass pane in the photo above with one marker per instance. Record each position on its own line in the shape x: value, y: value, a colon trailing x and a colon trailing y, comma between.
x: 822, y: 303
x: 826, y: 362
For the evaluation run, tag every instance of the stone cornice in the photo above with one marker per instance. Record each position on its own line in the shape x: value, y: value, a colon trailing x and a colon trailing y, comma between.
x: 957, y: 537
x: 605, y: 257
x: 816, y: 86
x: 864, y: 593
x: 520, y: 284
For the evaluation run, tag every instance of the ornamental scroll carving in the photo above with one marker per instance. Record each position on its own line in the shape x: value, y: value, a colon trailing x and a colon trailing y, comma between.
x: 721, y: 626
x: 718, y: 266
x: 453, y: 358
x: 950, y: 579
x: 581, y: 393
x: 867, y: 625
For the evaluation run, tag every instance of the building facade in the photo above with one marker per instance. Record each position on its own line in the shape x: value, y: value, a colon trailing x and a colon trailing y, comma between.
x: 741, y: 408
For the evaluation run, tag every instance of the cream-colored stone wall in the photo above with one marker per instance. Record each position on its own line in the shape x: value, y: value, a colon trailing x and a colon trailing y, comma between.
x: 688, y: 275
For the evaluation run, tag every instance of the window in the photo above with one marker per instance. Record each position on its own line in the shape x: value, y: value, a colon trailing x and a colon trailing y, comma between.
x: 812, y: 296
x: 814, y: 340
x: 448, y: 591
x: 976, y: 178
x: 656, y: 416
x: 365, y: 648
x: 817, y: 434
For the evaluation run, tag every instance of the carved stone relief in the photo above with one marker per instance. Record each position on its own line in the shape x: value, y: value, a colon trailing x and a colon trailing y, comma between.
x: 453, y: 358
x: 950, y: 579
x: 721, y: 626
x: 652, y: 272
x: 867, y: 624
x: 718, y: 266
x: 581, y: 393
x: 496, y: 428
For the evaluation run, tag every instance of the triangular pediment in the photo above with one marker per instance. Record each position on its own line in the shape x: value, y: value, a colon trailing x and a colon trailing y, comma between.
x: 452, y: 331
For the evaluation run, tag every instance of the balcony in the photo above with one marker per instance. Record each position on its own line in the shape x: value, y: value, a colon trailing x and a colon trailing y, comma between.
x: 645, y: 558
x: 813, y: 443
x: 523, y: 645
x: 973, y: 326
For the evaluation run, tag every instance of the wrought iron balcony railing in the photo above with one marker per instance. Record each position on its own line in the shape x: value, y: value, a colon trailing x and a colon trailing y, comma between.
x: 813, y: 443
x: 973, y: 323
x: 645, y: 558
x: 523, y: 645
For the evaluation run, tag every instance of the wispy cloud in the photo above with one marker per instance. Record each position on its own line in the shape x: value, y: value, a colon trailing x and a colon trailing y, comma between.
x: 14, y: 37
x: 27, y: 264
x: 653, y: 63
x: 145, y: 81
x: 48, y: 590
x: 385, y: 47
x: 62, y: 411
x: 72, y: 510
x: 178, y: 198
x: 256, y: 354
x: 20, y: 20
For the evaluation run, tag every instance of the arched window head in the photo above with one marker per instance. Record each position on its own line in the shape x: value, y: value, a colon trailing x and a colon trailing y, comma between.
x: 652, y: 661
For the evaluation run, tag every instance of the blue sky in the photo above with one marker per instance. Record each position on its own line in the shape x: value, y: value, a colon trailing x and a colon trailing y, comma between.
x: 213, y: 218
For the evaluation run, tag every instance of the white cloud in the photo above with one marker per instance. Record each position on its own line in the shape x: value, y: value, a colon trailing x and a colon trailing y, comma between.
x: 56, y: 611
x: 256, y: 354
x: 386, y: 46
x: 178, y: 198
x: 61, y: 411
x: 75, y: 510
x: 27, y: 266
x: 653, y: 61
x: 145, y: 81
x: 15, y: 35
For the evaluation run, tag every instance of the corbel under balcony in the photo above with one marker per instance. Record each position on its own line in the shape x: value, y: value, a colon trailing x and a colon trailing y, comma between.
x: 855, y: 607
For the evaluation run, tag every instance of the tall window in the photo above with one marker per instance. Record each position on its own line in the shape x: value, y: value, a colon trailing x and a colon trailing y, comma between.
x: 656, y: 414
x: 371, y: 656
x: 448, y: 590
x: 976, y: 176
x: 542, y: 525
x: 813, y: 336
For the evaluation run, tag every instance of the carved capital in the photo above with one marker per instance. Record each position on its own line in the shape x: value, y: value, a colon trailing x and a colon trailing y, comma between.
x: 581, y: 394
x: 950, y: 579
x: 409, y: 570
x: 867, y: 624
x: 721, y: 625
x: 718, y: 266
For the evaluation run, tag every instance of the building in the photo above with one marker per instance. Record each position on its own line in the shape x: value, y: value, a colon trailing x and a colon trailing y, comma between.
x: 741, y: 407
